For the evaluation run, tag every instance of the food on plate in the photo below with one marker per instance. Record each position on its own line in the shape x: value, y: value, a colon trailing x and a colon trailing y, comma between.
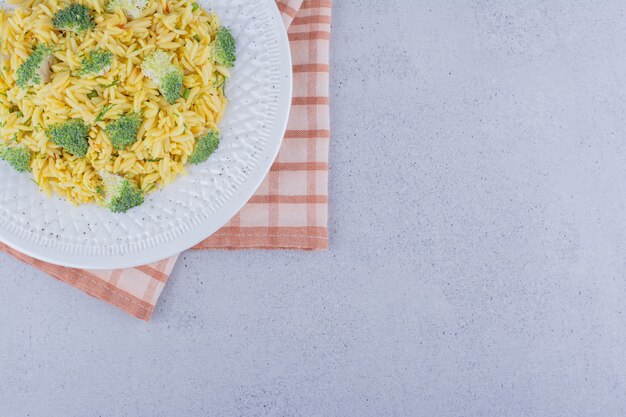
x: 105, y: 101
x: 119, y: 193
x: 167, y: 76
x: 18, y: 156
x: 225, y: 48
x: 36, y: 69
x: 131, y: 8
x: 75, y: 18
x: 72, y: 136
x: 123, y: 131
x: 96, y: 63
x: 204, y: 147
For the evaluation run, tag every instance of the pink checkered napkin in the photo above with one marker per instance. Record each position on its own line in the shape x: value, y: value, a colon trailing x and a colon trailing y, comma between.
x: 134, y: 290
x: 289, y: 210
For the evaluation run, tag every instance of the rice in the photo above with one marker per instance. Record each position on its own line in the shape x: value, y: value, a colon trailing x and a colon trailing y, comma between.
x: 166, y: 136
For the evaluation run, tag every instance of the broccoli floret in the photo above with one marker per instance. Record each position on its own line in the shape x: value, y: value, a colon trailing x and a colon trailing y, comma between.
x: 71, y: 136
x: 167, y: 76
x: 97, y: 62
x: 204, y: 147
x: 225, y: 48
x: 36, y: 69
x: 171, y: 85
x: 18, y: 156
x: 123, y: 132
x: 74, y: 18
x: 120, y: 194
x: 132, y: 8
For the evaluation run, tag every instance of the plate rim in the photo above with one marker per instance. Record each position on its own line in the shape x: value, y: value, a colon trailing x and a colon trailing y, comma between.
x: 195, y: 235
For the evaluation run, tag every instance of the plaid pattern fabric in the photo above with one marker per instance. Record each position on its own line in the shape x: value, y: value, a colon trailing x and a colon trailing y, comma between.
x: 134, y: 290
x: 289, y: 210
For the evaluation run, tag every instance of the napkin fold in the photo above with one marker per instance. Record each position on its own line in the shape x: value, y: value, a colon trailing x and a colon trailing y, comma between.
x: 290, y: 208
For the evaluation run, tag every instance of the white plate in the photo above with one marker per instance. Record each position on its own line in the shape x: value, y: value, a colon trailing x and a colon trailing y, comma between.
x: 194, y: 206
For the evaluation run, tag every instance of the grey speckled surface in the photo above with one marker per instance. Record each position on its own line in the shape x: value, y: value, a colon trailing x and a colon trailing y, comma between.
x: 478, y: 260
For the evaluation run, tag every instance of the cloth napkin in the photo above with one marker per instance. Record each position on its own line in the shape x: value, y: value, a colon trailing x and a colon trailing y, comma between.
x: 288, y: 211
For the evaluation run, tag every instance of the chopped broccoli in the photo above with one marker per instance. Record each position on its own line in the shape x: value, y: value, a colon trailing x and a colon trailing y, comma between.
x: 18, y: 156
x: 74, y: 18
x: 167, y: 76
x: 36, y: 69
x: 71, y: 136
x: 132, y: 8
x: 123, y: 132
x: 171, y: 84
x: 225, y: 48
x: 205, y: 146
x: 120, y: 194
x: 97, y: 62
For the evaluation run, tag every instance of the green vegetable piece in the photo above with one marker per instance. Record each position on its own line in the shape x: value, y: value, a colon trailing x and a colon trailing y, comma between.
x: 167, y: 76
x: 194, y: 6
x: 225, y: 48
x: 123, y: 132
x: 18, y: 156
x: 204, y: 147
x: 97, y: 62
x: 104, y: 111
x: 186, y: 93
x: 171, y: 85
x: 92, y: 94
x: 120, y: 194
x: 74, y: 18
x: 115, y: 82
x: 71, y: 136
x: 36, y: 69
x: 132, y: 8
